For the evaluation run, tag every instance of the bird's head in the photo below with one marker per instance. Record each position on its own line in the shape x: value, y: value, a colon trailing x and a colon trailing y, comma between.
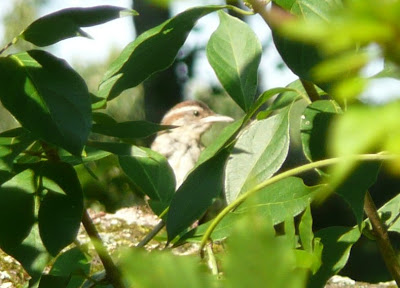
x: 192, y: 117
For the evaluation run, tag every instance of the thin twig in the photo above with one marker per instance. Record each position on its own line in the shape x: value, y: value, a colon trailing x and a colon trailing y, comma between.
x: 151, y: 234
x: 382, y: 238
x: 310, y: 89
x: 111, y: 269
x: 112, y: 272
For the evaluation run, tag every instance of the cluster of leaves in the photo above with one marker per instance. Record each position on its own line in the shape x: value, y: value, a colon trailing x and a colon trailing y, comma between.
x: 41, y: 198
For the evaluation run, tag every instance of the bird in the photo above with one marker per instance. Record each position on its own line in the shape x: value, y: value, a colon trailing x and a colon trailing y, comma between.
x: 182, y: 145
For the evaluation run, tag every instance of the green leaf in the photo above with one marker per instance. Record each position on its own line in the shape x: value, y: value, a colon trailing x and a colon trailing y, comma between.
x: 12, y: 143
x: 67, y: 23
x: 151, y: 174
x: 286, y: 198
x: 234, y: 52
x: 227, y: 135
x: 352, y: 188
x: 122, y: 149
x: 72, y: 265
x: 314, y: 128
x: 257, y: 155
x: 256, y: 258
x: 264, y: 97
x: 300, y: 57
x: 47, y: 97
x: 309, y: 8
x: 337, y: 243
x: 305, y: 230
x: 31, y: 254
x: 148, y: 54
x: 61, y: 209
x: 196, y: 194
x: 390, y: 213
x: 137, y: 263
x: 131, y: 129
x: 16, y: 209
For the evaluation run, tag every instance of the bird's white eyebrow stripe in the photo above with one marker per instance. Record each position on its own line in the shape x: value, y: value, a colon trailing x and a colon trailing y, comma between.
x: 181, y: 110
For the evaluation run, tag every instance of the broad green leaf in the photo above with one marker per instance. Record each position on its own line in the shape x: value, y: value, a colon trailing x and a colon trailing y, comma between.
x: 122, y: 149
x: 164, y: 267
x: 151, y: 174
x: 314, y: 128
x: 16, y: 209
x: 309, y: 8
x: 295, y: 91
x: 390, y: 213
x: 222, y: 231
x: 300, y: 57
x: 234, y: 52
x: 196, y: 194
x: 72, y: 265
x: 61, y: 208
x: 291, y: 93
x: 258, y: 153
x: 31, y: 254
x: 264, y: 97
x: 337, y: 243
x: 286, y: 198
x: 90, y: 154
x: 103, y: 118
x: 149, y: 54
x: 256, y: 258
x: 227, y: 135
x: 47, y: 97
x: 12, y: 143
x: 67, y: 23
x: 305, y: 230
x: 353, y: 187
x: 131, y: 129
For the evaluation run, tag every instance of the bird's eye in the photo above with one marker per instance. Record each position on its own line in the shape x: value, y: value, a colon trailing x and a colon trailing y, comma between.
x: 196, y: 113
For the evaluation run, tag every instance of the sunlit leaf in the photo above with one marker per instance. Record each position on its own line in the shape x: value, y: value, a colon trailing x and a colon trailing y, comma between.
x: 196, y: 194
x: 234, y: 52
x: 337, y: 243
x: 151, y: 174
x: 47, y: 97
x: 257, y: 155
x: 148, y: 54
x: 67, y: 23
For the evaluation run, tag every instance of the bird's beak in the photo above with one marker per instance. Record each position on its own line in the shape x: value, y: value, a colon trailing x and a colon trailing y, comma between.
x: 217, y: 118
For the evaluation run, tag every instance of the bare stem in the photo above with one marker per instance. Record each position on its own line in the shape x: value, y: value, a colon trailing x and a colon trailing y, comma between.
x: 382, y: 238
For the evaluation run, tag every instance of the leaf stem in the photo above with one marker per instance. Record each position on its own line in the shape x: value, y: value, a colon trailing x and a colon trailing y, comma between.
x: 8, y: 45
x: 239, y: 11
x: 283, y: 175
x: 310, y: 89
x: 382, y: 238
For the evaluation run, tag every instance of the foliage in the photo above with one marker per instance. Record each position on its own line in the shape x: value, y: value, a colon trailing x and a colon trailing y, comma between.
x: 268, y: 221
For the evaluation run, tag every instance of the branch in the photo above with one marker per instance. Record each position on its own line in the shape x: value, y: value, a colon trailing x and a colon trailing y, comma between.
x: 382, y: 238
x: 310, y: 89
x: 112, y: 272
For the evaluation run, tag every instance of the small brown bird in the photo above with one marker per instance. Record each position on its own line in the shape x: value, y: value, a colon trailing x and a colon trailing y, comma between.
x: 182, y: 145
